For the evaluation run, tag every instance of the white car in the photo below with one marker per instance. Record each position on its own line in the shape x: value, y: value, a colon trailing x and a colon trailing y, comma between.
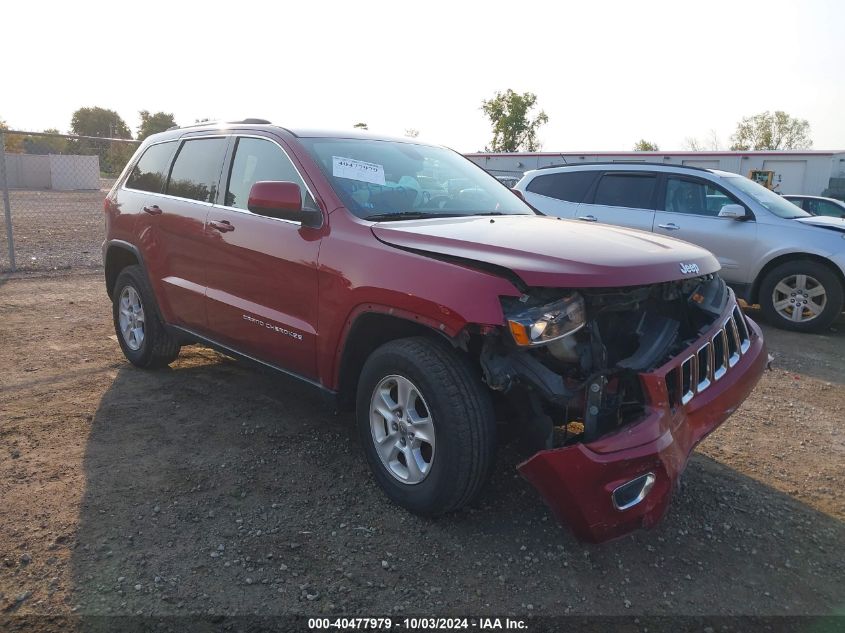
x: 772, y: 252
x: 819, y: 205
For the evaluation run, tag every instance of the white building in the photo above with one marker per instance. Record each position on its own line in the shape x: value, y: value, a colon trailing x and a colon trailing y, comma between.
x: 801, y: 171
x: 53, y: 171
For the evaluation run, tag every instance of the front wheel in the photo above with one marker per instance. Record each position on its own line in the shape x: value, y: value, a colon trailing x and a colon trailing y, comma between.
x: 140, y: 332
x: 801, y: 295
x: 426, y: 423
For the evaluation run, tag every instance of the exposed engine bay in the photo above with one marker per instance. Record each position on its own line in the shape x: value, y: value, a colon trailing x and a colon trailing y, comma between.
x: 570, y: 366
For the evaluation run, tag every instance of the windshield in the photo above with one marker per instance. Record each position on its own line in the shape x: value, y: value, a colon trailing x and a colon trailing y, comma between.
x: 391, y: 180
x: 769, y: 199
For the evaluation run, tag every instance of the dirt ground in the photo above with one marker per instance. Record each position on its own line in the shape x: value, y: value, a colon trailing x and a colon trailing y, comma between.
x: 55, y: 230
x: 212, y: 488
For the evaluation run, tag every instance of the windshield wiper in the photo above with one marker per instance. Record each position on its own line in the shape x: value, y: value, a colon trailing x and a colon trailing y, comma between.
x: 409, y: 215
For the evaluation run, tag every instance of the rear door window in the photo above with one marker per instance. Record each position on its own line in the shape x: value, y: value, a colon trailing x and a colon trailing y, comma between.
x: 823, y: 207
x: 150, y: 171
x: 567, y: 186
x: 635, y: 191
x: 798, y: 202
x: 196, y: 170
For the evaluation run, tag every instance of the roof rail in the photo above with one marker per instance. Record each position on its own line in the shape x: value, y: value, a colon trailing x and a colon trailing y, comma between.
x: 622, y: 162
x: 248, y: 121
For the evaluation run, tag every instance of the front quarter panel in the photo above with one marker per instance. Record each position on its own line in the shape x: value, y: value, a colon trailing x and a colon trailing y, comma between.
x: 357, y: 273
x: 779, y: 239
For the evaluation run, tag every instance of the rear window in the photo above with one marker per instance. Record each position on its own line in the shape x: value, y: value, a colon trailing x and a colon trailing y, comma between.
x: 196, y: 170
x: 626, y: 190
x: 568, y: 186
x: 150, y: 171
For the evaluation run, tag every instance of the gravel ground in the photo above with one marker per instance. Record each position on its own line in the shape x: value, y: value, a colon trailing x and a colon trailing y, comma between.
x: 55, y: 230
x: 212, y: 488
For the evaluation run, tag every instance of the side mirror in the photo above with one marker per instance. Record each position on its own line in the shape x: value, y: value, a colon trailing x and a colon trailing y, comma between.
x: 733, y: 211
x: 281, y: 199
x: 521, y: 196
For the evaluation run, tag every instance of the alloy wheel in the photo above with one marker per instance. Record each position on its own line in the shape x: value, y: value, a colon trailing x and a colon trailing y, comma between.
x: 131, y: 318
x: 402, y: 429
x: 799, y: 298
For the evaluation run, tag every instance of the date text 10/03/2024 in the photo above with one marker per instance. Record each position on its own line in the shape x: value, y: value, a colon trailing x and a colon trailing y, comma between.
x: 417, y: 624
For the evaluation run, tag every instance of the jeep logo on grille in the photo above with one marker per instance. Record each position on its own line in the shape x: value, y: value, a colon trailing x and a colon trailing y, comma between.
x: 689, y: 268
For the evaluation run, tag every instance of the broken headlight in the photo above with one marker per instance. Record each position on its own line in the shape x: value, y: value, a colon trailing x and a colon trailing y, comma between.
x: 544, y: 324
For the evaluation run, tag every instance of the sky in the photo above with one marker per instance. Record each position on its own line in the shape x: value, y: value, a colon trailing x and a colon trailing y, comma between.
x: 606, y: 73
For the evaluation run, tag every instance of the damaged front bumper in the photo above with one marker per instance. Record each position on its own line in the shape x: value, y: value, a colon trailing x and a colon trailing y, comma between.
x: 624, y: 480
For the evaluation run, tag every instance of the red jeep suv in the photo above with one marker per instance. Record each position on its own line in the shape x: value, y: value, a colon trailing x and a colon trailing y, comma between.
x: 411, y: 285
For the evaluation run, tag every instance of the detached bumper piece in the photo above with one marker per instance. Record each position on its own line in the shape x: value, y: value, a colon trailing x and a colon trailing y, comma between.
x: 625, y: 480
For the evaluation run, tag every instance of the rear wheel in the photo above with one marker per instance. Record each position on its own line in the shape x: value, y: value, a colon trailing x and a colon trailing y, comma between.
x: 426, y: 423
x: 141, y: 334
x: 801, y: 295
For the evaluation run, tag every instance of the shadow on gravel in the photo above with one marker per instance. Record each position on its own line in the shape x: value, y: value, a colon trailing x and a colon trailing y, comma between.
x: 212, y: 488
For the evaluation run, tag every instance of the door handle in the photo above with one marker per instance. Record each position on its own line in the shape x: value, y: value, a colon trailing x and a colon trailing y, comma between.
x: 669, y: 227
x: 153, y: 210
x: 588, y: 218
x: 224, y: 226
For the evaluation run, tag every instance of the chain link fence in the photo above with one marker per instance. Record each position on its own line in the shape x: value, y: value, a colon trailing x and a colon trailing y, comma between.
x: 53, y: 186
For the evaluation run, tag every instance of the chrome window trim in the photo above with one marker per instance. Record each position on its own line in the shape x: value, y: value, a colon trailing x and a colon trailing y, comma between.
x: 293, y: 164
x: 256, y: 215
x: 235, y: 135
x: 182, y: 141
x: 179, y: 141
x: 123, y: 186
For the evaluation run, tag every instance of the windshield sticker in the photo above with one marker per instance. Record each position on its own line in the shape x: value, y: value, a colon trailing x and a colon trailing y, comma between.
x: 357, y: 170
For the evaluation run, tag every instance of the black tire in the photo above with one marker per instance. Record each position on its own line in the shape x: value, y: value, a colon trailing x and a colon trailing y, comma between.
x: 786, y: 273
x: 462, y: 414
x: 157, y: 348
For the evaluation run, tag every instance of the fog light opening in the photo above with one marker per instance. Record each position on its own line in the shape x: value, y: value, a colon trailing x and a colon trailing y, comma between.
x: 630, y: 494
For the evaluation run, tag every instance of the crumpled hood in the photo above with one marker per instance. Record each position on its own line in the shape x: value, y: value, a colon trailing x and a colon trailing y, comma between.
x: 550, y: 252
x: 825, y: 222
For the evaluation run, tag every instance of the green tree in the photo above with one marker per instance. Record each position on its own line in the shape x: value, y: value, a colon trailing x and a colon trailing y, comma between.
x: 361, y: 126
x: 116, y: 156
x: 645, y: 146
x: 46, y: 144
x: 771, y: 131
x: 154, y: 123
x: 513, y: 129
x: 99, y: 122
x: 12, y: 142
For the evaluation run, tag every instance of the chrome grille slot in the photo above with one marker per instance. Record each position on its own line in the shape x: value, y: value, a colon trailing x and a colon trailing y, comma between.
x: 742, y: 330
x: 712, y: 360
x: 672, y: 388
x: 704, y: 362
x: 689, y: 377
x: 733, y: 342
x: 720, y: 354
